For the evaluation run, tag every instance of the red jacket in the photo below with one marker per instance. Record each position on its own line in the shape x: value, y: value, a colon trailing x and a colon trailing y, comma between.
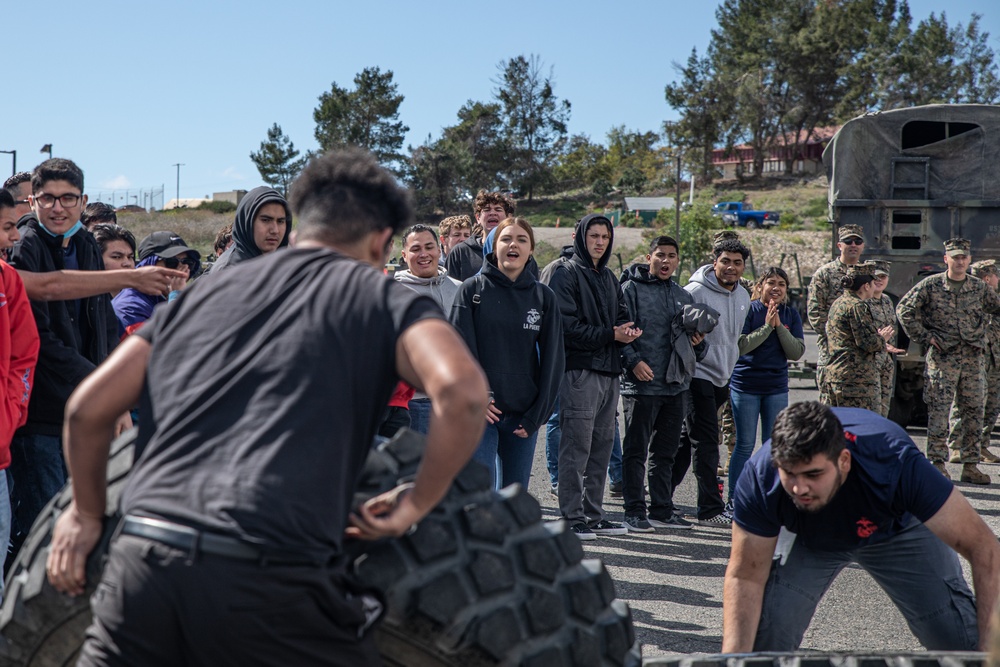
x: 18, y: 355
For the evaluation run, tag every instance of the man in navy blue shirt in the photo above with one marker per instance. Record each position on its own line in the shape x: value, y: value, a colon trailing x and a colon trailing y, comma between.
x: 851, y: 487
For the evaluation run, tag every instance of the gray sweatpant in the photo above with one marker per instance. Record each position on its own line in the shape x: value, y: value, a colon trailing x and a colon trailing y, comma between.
x: 588, y: 402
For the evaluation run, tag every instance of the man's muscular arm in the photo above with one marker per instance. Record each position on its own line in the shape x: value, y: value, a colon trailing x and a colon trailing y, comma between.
x: 961, y: 528
x: 743, y: 589
x: 67, y: 285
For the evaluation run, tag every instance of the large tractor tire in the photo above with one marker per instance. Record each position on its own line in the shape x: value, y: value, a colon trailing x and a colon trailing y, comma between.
x: 482, y: 580
x: 824, y: 659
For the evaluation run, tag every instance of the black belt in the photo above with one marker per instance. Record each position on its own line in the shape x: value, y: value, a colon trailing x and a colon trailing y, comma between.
x: 196, y: 542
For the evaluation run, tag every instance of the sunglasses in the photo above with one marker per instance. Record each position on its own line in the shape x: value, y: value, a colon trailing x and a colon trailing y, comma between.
x: 853, y: 241
x: 173, y: 263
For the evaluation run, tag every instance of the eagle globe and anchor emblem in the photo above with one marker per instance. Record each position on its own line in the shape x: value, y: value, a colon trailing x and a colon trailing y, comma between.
x: 532, y: 320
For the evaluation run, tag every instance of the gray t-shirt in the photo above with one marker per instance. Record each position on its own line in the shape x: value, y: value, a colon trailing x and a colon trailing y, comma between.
x: 263, y: 393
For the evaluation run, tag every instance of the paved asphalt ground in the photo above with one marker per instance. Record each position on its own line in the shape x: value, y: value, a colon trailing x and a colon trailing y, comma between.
x: 673, y: 579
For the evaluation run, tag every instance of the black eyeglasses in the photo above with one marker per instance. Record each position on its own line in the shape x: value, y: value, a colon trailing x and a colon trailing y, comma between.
x: 173, y: 263
x: 853, y: 241
x: 68, y: 200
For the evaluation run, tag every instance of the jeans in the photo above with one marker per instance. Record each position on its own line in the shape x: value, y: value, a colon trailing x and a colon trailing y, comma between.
x: 420, y: 414
x: 615, y: 464
x: 700, y: 444
x: 515, y: 454
x: 38, y: 473
x: 746, y: 410
x: 4, y: 520
x: 653, y: 431
x: 920, y: 573
x: 553, y: 434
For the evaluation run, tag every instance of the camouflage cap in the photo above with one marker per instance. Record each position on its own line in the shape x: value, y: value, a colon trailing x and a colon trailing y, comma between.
x: 957, y: 246
x: 862, y: 269
x: 881, y: 267
x: 725, y: 235
x: 985, y: 267
x: 847, y: 231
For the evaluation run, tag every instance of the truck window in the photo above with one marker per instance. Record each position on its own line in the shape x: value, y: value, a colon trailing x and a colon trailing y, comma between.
x: 918, y: 133
x: 906, y: 233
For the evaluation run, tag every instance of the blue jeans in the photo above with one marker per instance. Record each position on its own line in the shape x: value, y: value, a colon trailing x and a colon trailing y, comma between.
x: 515, y: 453
x: 4, y: 520
x: 38, y: 473
x: 747, y: 409
x: 420, y: 414
x: 919, y: 572
x: 553, y: 435
x: 615, y: 465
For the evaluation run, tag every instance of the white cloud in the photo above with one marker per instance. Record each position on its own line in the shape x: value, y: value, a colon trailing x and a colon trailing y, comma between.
x: 117, y: 183
x: 231, y: 173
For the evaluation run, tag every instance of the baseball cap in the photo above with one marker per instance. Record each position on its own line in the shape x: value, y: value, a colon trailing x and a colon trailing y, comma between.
x: 164, y: 244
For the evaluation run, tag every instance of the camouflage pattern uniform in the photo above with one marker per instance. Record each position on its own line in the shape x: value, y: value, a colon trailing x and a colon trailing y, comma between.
x: 957, y: 319
x: 992, y: 378
x: 824, y: 288
x: 884, y: 314
x: 853, y: 376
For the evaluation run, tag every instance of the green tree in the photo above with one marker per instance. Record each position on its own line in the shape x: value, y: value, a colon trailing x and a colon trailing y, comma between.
x: 277, y: 160
x: 367, y: 116
x: 635, y: 153
x: 581, y: 164
x: 703, y: 104
x: 534, y: 120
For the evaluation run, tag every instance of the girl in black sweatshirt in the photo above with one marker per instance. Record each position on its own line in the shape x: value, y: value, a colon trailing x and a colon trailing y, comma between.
x: 512, y: 325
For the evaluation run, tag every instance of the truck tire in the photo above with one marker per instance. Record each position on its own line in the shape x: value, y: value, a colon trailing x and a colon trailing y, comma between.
x: 482, y: 580
x: 752, y: 224
x: 824, y: 659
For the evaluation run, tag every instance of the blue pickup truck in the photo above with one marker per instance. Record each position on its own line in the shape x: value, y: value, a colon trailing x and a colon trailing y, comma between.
x: 737, y: 214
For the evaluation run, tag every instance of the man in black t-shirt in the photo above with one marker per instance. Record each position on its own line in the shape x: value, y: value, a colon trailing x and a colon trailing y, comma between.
x: 849, y: 486
x: 260, y: 390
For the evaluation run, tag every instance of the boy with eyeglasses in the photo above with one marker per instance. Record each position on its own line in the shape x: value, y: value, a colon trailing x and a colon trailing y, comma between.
x: 75, y: 336
x: 132, y: 307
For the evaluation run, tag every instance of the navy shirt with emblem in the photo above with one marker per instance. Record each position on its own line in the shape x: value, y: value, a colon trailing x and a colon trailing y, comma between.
x: 890, y: 480
x: 264, y: 389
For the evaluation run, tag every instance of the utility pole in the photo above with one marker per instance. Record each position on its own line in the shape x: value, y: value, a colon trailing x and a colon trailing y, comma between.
x: 13, y: 154
x: 677, y: 202
x: 177, y: 201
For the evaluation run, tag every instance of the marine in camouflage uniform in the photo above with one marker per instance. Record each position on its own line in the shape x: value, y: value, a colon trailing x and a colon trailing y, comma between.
x: 987, y: 271
x: 884, y: 314
x: 947, y: 314
x: 853, y: 376
x: 825, y: 287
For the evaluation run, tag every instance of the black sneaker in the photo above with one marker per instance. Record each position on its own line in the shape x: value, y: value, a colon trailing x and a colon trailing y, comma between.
x: 637, y: 524
x: 608, y: 528
x: 730, y: 508
x: 675, y: 521
x: 616, y: 489
x: 583, y: 531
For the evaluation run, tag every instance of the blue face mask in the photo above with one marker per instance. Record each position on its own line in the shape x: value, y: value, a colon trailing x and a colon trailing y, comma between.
x: 68, y: 233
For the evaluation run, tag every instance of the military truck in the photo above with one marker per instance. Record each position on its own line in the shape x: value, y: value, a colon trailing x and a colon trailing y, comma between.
x: 913, y: 178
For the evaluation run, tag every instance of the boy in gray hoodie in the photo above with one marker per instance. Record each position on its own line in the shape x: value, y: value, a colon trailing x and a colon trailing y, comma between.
x: 716, y: 285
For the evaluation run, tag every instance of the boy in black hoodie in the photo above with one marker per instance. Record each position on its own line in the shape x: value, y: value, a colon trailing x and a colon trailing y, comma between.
x: 595, y: 326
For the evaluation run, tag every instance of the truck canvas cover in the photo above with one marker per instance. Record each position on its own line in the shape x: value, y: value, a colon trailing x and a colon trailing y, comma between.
x: 961, y: 140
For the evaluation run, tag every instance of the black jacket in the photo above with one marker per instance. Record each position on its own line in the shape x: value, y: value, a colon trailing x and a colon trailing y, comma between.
x: 69, y: 349
x: 591, y: 303
x: 564, y: 256
x: 516, y: 334
x: 652, y: 304
x: 244, y: 247
x: 465, y: 259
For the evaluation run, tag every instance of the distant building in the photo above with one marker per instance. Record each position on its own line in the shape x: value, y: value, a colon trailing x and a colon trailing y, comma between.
x: 806, y: 156
x: 233, y: 196
x: 185, y: 203
x: 646, y: 208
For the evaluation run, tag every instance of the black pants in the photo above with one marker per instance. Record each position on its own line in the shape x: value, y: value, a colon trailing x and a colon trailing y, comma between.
x: 700, y: 443
x: 155, y: 605
x: 653, y: 431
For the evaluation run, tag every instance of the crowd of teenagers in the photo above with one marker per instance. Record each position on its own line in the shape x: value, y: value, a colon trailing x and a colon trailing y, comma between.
x: 239, y: 476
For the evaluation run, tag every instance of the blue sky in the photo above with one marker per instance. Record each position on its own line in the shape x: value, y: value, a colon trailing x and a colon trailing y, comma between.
x: 127, y: 91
